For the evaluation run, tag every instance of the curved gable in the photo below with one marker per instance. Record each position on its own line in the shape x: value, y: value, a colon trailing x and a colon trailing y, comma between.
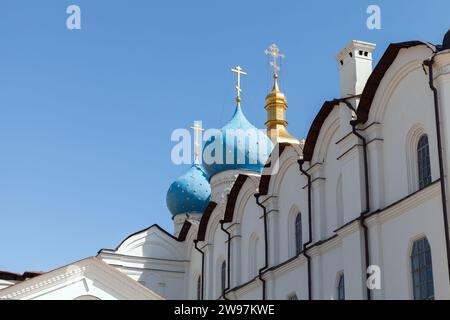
x: 316, y: 126
x: 378, y: 73
x: 241, y: 193
x: 152, y: 242
x: 144, y: 230
x: 366, y: 97
x: 264, y: 183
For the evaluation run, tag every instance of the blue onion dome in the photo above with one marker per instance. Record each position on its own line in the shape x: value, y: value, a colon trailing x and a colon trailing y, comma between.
x: 237, y: 146
x: 190, y: 192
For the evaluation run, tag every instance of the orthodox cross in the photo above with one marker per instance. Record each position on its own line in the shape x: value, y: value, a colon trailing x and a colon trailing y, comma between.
x: 238, y: 70
x: 197, y: 131
x: 275, y: 53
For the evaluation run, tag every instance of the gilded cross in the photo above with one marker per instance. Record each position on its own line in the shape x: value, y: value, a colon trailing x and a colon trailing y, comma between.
x: 238, y: 70
x: 197, y: 130
x: 275, y: 53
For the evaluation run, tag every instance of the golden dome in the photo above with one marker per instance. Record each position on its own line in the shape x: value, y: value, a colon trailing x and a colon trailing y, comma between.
x: 276, y: 105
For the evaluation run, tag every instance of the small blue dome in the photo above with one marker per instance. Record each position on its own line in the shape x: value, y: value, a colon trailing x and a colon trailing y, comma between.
x: 190, y: 192
x: 243, y: 147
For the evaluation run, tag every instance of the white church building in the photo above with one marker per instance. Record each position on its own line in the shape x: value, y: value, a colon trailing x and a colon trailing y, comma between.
x: 357, y: 210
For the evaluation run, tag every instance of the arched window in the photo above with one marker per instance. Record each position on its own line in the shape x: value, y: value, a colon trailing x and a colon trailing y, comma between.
x: 339, y: 203
x: 341, y: 288
x: 253, y: 256
x: 292, y: 296
x: 199, y: 288
x: 298, y: 234
x: 223, y: 276
x: 422, y: 270
x: 87, y: 297
x: 423, y: 161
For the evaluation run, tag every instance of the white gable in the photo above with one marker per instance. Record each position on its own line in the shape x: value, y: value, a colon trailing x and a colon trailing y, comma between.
x: 152, y: 242
x: 87, y: 279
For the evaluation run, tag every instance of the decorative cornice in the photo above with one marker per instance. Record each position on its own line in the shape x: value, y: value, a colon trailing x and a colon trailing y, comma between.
x: 417, y: 199
x: 249, y: 286
x: 294, y: 263
x: 130, y: 287
x: 271, y: 205
x: 316, y: 171
x: 70, y: 272
x: 442, y: 71
x: 348, y: 229
x: 325, y: 246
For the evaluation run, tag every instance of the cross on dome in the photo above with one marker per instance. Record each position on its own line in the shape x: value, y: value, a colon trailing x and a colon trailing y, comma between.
x: 197, y: 131
x: 238, y: 70
x: 275, y: 53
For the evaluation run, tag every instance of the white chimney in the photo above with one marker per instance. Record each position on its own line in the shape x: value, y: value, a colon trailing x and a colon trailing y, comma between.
x: 355, y: 67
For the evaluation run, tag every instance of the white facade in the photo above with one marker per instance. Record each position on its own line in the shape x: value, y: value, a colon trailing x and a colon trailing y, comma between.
x: 391, y: 113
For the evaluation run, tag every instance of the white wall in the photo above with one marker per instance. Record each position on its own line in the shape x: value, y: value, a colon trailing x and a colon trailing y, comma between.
x: 401, y: 108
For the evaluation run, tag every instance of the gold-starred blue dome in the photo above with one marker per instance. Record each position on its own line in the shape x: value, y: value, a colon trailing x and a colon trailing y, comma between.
x: 237, y: 146
x: 190, y: 192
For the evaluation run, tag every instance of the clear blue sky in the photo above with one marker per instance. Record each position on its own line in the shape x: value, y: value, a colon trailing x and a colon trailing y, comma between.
x: 86, y: 116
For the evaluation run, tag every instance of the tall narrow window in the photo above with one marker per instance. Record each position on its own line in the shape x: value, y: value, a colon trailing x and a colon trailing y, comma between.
x: 339, y: 203
x: 423, y: 162
x: 223, y: 276
x: 292, y: 296
x: 341, y: 288
x: 422, y: 270
x: 298, y: 234
x: 199, y: 288
x: 253, y: 256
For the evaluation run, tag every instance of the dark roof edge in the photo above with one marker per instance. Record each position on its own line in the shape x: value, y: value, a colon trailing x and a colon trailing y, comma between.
x: 204, y: 221
x: 263, y: 187
x: 366, y: 97
x: 184, y: 231
x: 12, y: 276
x: 378, y: 73
x: 140, y: 231
x: 234, y: 193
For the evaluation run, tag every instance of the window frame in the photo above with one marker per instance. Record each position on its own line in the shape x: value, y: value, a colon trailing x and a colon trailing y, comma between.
x: 223, y: 276
x: 423, y: 162
x: 298, y: 233
x: 423, y: 247
x: 412, y: 140
x: 292, y: 296
x: 340, y: 286
x: 199, y: 287
x: 253, y: 243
